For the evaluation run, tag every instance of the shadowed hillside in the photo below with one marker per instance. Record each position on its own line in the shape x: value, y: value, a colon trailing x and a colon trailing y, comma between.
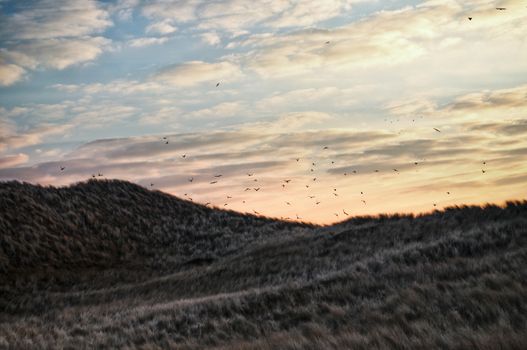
x: 111, y: 264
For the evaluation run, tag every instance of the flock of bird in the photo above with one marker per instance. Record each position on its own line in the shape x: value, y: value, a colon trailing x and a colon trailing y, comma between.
x: 285, y: 182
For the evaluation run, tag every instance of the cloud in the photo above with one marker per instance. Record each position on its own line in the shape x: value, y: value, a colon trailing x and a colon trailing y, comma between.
x: 13, y: 160
x: 196, y: 72
x: 211, y: 38
x: 141, y: 42
x: 10, y: 73
x: 163, y: 28
x: 50, y: 35
x: 48, y: 19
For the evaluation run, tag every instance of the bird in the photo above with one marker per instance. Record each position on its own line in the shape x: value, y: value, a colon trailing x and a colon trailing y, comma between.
x: 218, y: 84
x: 151, y: 184
x: 247, y: 189
x: 345, y: 212
x: 470, y: 18
x: 436, y: 129
x: 225, y: 204
x: 336, y: 214
x: 62, y: 168
x: 435, y: 205
x: 184, y: 156
x: 213, y: 182
x: 335, y: 189
x: 325, y: 147
x: 345, y: 174
x: 396, y: 170
x: 164, y: 137
x: 363, y: 201
x: 354, y: 171
x: 335, y: 194
x: 219, y: 175
x: 314, y: 179
x: 99, y: 174
x: 298, y: 159
x: 311, y: 169
x: 317, y: 203
x: 283, y: 185
x: 287, y: 181
x: 228, y: 197
x: 249, y: 174
x: 415, y: 163
x: 327, y: 42
x: 208, y: 203
x: 361, y: 192
x: 448, y: 192
x: 501, y: 8
x: 255, y: 180
x: 313, y: 164
x: 332, y: 162
x: 376, y: 171
x: 93, y: 176
x: 191, y: 179
x: 257, y: 213
x: 484, y: 163
x: 483, y: 171
x: 307, y: 186
x: 297, y: 217
x: 166, y: 143
x: 287, y: 203
x: 311, y: 197
x: 257, y: 189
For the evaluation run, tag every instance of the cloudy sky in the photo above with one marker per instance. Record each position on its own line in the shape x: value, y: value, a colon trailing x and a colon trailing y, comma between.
x: 341, y: 97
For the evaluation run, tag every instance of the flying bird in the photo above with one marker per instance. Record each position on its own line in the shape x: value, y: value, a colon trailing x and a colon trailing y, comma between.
x: 396, y: 170
x: 257, y: 189
x: 191, y: 179
x: 213, y: 182
x: 287, y: 203
x: 298, y: 159
x: 257, y: 213
x: 327, y: 42
x: 501, y: 8
x: 436, y: 129
x: 363, y: 201
x: 483, y: 171
x: 317, y: 203
x: 287, y: 181
x: 248, y: 174
x: 228, y: 197
x: 326, y: 147
x: 62, y: 168
x: 151, y: 184
x: 184, y: 156
x: 470, y: 18
x: 335, y: 194
x: 345, y: 212
x: 311, y: 197
x: 219, y: 175
x: 218, y: 84
x: 247, y: 189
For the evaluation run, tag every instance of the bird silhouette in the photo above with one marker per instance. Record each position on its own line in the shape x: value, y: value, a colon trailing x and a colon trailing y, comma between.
x: 326, y: 147
x: 99, y: 174
x: 501, y: 8
x: 470, y: 18
x: 314, y: 179
x: 448, y: 192
x: 213, y: 182
x: 184, y: 156
x: 218, y: 84
x: 191, y: 179
x: 257, y: 189
x: 249, y: 174
x: 257, y: 213
x: 436, y: 129
x: 396, y: 170
x: 219, y: 175
x: 345, y: 212
x: 287, y: 203
x: 317, y: 203
x: 229, y: 197
x: 287, y: 181
x: 62, y: 168
x: 363, y: 201
x: 307, y: 186
x: 151, y: 184
x: 166, y: 143
x: 311, y: 197
x: 483, y: 171
x: 208, y: 203
x: 247, y: 189
x: 298, y: 159
x: 327, y: 42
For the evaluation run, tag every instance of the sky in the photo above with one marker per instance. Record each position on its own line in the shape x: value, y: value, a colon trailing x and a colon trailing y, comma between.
x: 325, y: 109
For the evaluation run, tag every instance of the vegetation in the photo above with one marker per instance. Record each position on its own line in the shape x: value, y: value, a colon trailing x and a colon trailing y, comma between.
x: 109, y: 264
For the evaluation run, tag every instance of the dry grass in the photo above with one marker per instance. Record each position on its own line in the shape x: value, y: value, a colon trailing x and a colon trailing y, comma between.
x: 107, y: 264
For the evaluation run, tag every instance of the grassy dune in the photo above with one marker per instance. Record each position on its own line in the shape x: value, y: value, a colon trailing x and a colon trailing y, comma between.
x: 109, y: 264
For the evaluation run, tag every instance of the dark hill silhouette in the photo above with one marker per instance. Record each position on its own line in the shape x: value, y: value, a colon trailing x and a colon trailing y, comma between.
x: 109, y: 264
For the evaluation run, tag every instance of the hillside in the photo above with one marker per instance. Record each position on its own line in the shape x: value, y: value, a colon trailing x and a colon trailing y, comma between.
x: 109, y: 264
